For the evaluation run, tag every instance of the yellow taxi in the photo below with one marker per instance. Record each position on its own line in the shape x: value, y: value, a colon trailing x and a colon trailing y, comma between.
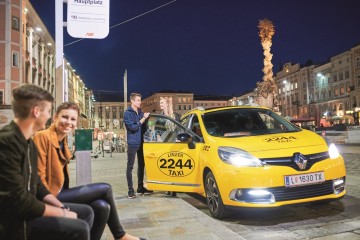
x: 241, y: 156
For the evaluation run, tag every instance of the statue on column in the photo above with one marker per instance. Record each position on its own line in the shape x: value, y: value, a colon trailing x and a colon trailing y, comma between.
x: 266, y: 91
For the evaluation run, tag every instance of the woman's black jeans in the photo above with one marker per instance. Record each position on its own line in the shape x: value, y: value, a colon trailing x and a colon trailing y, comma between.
x: 100, y: 197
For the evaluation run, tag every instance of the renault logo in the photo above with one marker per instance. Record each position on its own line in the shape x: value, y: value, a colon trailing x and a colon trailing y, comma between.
x: 300, y: 160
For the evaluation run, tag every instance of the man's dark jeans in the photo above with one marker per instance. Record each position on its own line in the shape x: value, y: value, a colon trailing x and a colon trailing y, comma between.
x: 132, y: 152
x: 59, y: 228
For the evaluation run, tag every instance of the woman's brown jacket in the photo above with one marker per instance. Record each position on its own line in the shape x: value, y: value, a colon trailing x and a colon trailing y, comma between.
x: 51, y: 159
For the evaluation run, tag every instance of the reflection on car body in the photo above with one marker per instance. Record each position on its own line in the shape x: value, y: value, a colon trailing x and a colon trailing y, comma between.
x: 241, y: 157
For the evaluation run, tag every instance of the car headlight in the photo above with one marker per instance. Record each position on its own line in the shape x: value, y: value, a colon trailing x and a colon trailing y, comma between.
x: 238, y: 157
x: 333, y: 151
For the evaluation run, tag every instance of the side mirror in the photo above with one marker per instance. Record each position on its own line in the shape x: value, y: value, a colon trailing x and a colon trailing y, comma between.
x: 186, y: 138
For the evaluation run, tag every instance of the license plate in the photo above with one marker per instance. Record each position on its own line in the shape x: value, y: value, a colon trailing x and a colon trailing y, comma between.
x: 304, y: 179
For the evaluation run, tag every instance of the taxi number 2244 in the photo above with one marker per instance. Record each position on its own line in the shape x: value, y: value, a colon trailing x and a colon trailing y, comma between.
x: 176, y: 164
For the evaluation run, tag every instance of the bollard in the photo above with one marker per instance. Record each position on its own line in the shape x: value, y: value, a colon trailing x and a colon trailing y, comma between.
x: 83, y: 147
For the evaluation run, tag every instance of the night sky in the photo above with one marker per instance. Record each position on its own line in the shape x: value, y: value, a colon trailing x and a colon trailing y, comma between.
x: 205, y: 46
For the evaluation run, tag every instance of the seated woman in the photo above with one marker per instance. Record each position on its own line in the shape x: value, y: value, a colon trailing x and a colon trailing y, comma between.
x: 54, y: 156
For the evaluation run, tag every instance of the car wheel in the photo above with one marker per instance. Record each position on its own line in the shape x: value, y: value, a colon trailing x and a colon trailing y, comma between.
x: 213, y: 198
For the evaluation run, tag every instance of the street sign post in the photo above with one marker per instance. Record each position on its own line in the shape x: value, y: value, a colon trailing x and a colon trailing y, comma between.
x: 88, y: 19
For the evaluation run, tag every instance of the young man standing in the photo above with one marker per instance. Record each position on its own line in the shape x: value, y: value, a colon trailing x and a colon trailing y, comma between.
x: 28, y: 210
x: 134, y: 119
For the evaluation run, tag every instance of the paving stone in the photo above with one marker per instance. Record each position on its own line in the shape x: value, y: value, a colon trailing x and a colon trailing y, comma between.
x: 158, y: 217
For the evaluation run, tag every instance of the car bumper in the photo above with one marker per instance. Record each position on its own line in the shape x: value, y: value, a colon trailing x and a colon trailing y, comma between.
x: 265, y: 186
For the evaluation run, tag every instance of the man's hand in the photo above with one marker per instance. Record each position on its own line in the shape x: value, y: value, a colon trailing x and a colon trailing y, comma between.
x: 69, y: 214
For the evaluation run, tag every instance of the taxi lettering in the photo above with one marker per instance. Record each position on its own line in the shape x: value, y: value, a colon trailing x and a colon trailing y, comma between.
x: 280, y: 139
x: 175, y: 154
x: 176, y: 164
x: 176, y: 173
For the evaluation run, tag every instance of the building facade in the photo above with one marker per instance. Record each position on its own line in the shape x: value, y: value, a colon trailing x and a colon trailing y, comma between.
x: 27, y: 55
x: 210, y: 101
x: 182, y: 102
x: 327, y: 93
x: 107, y: 116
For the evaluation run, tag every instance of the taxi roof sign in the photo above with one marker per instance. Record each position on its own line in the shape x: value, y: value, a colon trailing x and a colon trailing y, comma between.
x: 88, y: 18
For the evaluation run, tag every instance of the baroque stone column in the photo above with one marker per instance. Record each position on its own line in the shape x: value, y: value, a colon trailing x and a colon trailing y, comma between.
x: 266, y: 90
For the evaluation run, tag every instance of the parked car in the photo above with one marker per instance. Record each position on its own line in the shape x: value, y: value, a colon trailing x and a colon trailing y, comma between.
x: 241, y: 157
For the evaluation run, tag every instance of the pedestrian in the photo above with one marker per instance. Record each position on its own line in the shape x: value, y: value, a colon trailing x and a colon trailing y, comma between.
x: 28, y: 210
x: 166, y: 106
x: 134, y: 120
x: 54, y: 156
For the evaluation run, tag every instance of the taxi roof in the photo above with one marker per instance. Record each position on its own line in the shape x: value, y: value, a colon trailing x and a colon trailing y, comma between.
x: 202, y: 110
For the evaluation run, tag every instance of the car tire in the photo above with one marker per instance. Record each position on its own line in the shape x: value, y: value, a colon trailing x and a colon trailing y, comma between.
x: 213, y: 198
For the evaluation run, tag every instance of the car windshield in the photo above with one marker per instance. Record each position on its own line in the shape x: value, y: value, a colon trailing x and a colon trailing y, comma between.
x: 245, y: 122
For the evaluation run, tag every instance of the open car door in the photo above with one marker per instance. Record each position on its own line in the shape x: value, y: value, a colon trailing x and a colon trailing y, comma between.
x: 171, y: 156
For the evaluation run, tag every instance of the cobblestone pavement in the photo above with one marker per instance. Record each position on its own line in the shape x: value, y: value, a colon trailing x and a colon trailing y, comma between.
x: 186, y: 216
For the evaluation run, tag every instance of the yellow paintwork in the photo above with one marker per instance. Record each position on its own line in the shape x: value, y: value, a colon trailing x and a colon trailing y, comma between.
x: 229, y: 177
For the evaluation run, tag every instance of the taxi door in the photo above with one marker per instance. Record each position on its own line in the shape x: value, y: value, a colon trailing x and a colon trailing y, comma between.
x: 171, y: 165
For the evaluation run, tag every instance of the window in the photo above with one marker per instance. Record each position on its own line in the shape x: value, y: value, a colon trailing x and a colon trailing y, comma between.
x: 15, y: 23
x: 100, y: 112
x: 341, y: 76
x: 92, y: 112
x: 336, y: 92
x: 347, y: 74
x: 15, y: 59
x: 160, y: 129
x: 189, y: 107
x: 342, y: 91
x: 335, y: 77
x: 341, y: 106
x: 1, y: 97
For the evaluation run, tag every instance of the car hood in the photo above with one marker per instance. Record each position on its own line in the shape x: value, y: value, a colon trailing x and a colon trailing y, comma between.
x: 275, y: 145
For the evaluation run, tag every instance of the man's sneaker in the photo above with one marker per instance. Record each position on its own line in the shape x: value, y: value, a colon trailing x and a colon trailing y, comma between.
x: 144, y: 191
x: 131, y: 194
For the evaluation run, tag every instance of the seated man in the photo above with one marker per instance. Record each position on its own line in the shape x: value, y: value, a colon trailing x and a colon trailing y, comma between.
x: 24, y: 200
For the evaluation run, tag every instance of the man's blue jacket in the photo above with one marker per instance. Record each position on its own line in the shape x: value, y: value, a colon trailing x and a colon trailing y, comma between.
x: 134, y: 129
